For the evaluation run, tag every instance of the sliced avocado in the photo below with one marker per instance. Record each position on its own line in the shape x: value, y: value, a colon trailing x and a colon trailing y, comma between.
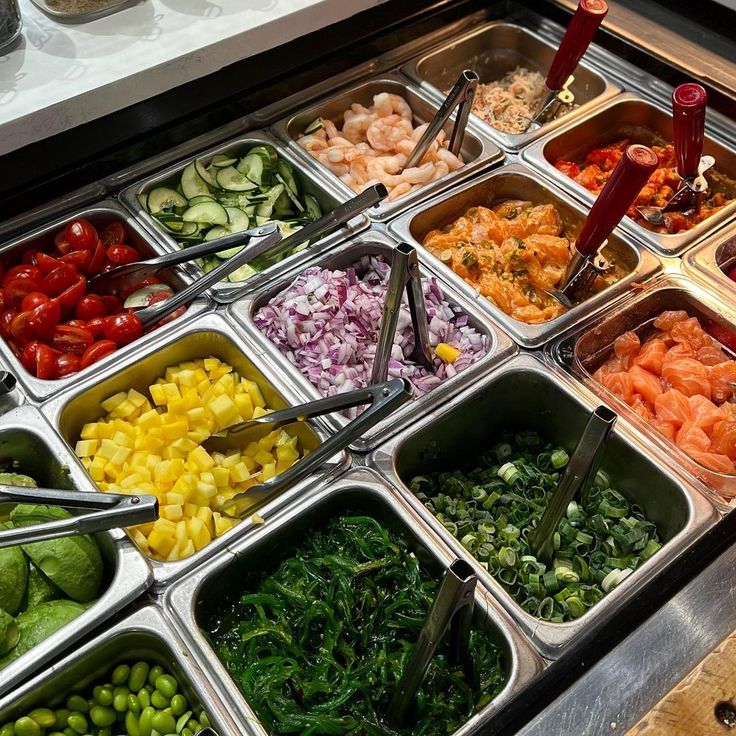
x: 39, y: 623
x: 13, y: 577
x: 9, y: 633
x: 40, y: 589
x: 16, y: 479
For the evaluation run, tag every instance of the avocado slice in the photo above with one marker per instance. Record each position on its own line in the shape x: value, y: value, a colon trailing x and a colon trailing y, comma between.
x: 39, y: 589
x: 13, y: 577
x: 9, y: 633
x: 17, y: 479
x: 39, y: 623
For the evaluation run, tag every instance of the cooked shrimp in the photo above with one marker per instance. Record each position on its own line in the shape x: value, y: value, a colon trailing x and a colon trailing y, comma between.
x: 399, y: 191
x: 386, y: 104
x: 385, y: 133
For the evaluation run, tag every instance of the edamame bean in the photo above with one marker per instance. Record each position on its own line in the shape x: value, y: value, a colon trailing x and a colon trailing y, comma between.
x: 185, y: 732
x: 69, y: 732
x: 131, y: 724
x: 102, y: 716
x: 106, y: 731
x: 138, y: 674
x: 43, y: 716
x: 183, y: 720
x: 164, y: 722
x: 145, y: 724
x: 77, y: 722
x: 144, y: 698
x: 103, y: 695
x: 56, y: 733
x: 26, y: 726
x: 193, y: 725
x: 204, y: 719
x: 159, y: 701
x: 178, y: 704
x: 77, y: 703
x: 120, y: 674
x: 7, y: 730
x: 167, y: 686
x: 60, y: 715
x: 133, y: 705
x: 154, y: 674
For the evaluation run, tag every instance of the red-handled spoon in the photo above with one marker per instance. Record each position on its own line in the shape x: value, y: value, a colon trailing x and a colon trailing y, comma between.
x: 585, y: 22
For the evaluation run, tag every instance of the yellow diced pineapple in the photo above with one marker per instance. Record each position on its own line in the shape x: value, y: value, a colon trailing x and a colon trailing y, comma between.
x: 172, y: 512
x: 198, y: 533
x: 112, y: 403
x: 161, y: 540
x: 263, y: 458
x: 224, y: 410
x: 89, y: 431
x: 268, y: 472
x: 85, y: 448
x: 200, y: 458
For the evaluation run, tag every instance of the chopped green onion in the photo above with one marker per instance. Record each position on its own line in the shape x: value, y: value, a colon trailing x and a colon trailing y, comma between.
x: 509, y: 473
x: 559, y: 459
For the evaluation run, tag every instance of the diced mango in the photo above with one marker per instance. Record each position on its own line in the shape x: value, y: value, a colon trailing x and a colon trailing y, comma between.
x: 84, y: 448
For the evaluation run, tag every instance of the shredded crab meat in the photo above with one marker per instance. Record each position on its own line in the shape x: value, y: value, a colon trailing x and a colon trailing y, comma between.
x: 327, y: 324
x: 374, y: 145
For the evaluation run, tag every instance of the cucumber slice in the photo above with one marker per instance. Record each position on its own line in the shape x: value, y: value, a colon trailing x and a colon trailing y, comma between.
x: 237, y: 220
x: 200, y: 198
x: 207, y: 212
x: 283, y: 209
x: 223, y: 255
x: 216, y: 232
x: 142, y: 200
x: 251, y: 167
x: 234, y: 181
x: 183, y: 229
x: 314, y: 126
x: 168, y: 217
x: 265, y: 208
x: 208, y: 264
x: 221, y: 160
x: 202, y: 171
x: 313, y: 207
x: 192, y: 183
x: 242, y: 273
x: 286, y: 172
x: 163, y: 198
x: 290, y: 194
x: 260, y: 220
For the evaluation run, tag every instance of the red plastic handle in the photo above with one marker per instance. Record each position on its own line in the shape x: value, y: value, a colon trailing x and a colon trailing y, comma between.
x: 621, y: 190
x: 588, y: 17
x: 688, y: 127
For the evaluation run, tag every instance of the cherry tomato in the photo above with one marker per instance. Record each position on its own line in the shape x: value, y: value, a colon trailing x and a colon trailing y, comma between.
x: 58, y: 280
x: 112, y: 303
x: 30, y: 256
x: 21, y: 328
x: 15, y: 291
x: 70, y: 297
x: 145, y: 282
x: 28, y: 357
x: 62, y: 244
x: 32, y: 300
x: 66, y: 364
x: 113, y: 233
x: 90, y: 306
x: 2, y: 301
x: 45, y: 362
x: 96, y: 326
x: 22, y: 271
x: 81, y: 234
x: 99, y: 259
x: 6, y: 319
x: 97, y: 351
x: 44, y: 318
x: 46, y: 263
x: 78, y: 258
x: 77, y: 323
x: 69, y: 339
x: 123, y: 328
x: 121, y: 255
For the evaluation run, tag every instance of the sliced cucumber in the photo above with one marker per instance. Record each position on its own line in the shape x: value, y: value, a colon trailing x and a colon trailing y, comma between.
x: 242, y: 273
x: 201, y: 198
x: 208, y: 264
x: 314, y: 126
x: 233, y: 180
x: 183, y: 229
x: 202, y: 171
x: 286, y: 172
x: 216, y: 232
x: 223, y: 255
x: 163, y: 198
x: 142, y: 200
x: 261, y: 220
x: 192, y: 184
x: 290, y: 194
x: 221, y: 160
x: 206, y: 212
x: 313, y: 207
x: 251, y: 167
x: 237, y: 220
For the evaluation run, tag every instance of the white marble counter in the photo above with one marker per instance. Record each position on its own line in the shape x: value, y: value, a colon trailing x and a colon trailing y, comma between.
x: 63, y: 74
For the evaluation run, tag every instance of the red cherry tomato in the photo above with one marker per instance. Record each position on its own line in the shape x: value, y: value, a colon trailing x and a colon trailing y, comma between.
x: 123, y: 328
x: 58, y: 280
x: 45, y: 362
x: 81, y: 234
x: 21, y: 328
x: 97, y: 351
x: 6, y: 319
x: 90, y: 306
x: 113, y: 233
x: 22, y: 271
x: 46, y: 263
x: 30, y: 256
x: 70, y: 297
x: 112, y: 303
x: 69, y: 339
x: 44, y: 318
x: 121, y: 255
x: 18, y: 289
x: 2, y: 301
x: 77, y: 323
x: 78, y: 258
x: 99, y: 259
x: 66, y: 364
x: 145, y: 282
x: 32, y: 300
x: 62, y: 244
x: 28, y: 357
x: 96, y: 326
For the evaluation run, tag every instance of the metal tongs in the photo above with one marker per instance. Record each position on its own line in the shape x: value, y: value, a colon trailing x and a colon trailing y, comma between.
x: 108, y: 511
x: 578, y: 477
x: 383, y: 399
x: 453, y: 609
x: 587, y: 19
x: 619, y: 193
x: 689, y: 102
x: 460, y: 97
x: 7, y: 382
x: 404, y: 275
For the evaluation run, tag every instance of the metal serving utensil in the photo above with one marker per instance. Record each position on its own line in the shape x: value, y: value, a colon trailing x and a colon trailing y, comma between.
x: 619, y: 193
x: 404, y: 275
x: 7, y: 382
x: 453, y: 609
x: 689, y: 102
x: 461, y: 97
x: 383, y: 400
x: 579, y: 474
x: 587, y: 19
x: 107, y: 511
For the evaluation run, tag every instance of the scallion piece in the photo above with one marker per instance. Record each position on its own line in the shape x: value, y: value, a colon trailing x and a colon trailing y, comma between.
x: 559, y: 458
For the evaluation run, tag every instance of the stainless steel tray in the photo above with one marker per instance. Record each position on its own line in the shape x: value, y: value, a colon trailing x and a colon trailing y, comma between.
x: 627, y: 116
x: 494, y: 49
x: 360, y: 491
x: 101, y: 214
x: 500, y: 346
x: 706, y: 262
x: 527, y: 393
x: 476, y: 150
x: 314, y: 183
x: 26, y: 436
x: 208, y: 335
x: 143, y: 635
x: 581, y: 351
x: 515, y: 181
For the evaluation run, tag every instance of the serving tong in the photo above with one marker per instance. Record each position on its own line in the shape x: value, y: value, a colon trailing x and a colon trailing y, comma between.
x: 404, y: 275
x: 461, y: 97
x: 689, y: 102
x: 108, y: 511
x: 619, y: 193
x: 452, y: 609
x: 577, y: 479
x: 585, y: 22
x: 383, y: 398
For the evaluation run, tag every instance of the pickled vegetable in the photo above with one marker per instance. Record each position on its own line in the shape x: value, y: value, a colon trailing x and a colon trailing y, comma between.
x: 318, y: 645
x: 494, y: 505
x: 152, y: 444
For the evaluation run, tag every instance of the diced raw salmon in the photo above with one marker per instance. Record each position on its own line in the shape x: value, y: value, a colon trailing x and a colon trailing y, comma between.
x: 668, y: 429
x: 642, y: 408
x: 720, y: 375
x: 692, y: 438
x: 705, y: 413
x: 645, y: 383
x: 689, y: 331
x: 710, y: 355
x: 667, y: 320
x: 688, y: 376
x: 673, y: 406
x: 724, y: 438
x: 620, y: 384
x: 626, y: 347
x: 651, y: 356
x: 719, y: 463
